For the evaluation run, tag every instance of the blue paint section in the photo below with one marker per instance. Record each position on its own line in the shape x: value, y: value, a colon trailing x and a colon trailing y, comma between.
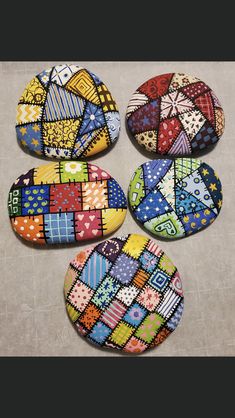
x: 59, y: 228
x: 29, y: 136
x: 95, y: 270
x: 154, y: 204
x: 154, y: 171
x: 116, y: 196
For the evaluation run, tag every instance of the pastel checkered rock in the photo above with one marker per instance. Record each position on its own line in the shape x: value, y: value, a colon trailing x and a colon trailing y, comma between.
x: 67, y: 112
x: 173, y: 199
x: 65, y: 202
x: 175, y: 114
x: 124, y: 294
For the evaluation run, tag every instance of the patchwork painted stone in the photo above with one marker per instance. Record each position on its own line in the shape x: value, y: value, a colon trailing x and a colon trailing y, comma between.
x: 173, y: 199
x: 65, y: 202
x: 124, y: 294
x: 67, y: 112
x: 175, y: 114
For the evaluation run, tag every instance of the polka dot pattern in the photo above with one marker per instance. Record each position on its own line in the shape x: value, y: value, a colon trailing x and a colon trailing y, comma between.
x: 175, y: 114
x: 124, y: 294
x: 177, y: 198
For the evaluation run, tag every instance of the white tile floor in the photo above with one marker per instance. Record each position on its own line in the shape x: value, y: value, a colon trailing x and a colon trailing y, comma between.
x: 33, y: 320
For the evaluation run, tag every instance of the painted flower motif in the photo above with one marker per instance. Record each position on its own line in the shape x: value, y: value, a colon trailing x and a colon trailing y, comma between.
x: 136, y: 314
x: 45, y: 78
x: 73, y: 167
x: 81, y: 257
x: 149, y: 298
x: 175, y: 85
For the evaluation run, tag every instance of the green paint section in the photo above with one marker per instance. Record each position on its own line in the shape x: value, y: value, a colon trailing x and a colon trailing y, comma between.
x: 185, y: 166
x: 136, y: 188
x: 166, y: 226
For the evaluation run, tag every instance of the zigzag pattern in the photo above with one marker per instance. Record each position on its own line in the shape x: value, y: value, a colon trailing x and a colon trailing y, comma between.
x: 28, y: 113
x: 61, y: 99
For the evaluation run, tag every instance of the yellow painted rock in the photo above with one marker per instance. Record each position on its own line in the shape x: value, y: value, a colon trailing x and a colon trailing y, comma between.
x: 67, y: 112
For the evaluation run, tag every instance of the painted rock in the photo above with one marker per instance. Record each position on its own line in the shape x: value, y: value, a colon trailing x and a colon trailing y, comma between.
x: 173, y: 199
x: 124, y: 294
x: 65, y: 202
x: 67, y: 112
x: 175, y: 114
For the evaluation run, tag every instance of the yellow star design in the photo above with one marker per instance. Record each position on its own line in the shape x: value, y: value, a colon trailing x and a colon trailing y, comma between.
x: 34, y: 142
x: 216, y: 175
x: 36, y: 128
x: 23, y: 131
x: 219, y: 203
x: 23, y: 143
x: 205, y: 172
x: 213, y: 187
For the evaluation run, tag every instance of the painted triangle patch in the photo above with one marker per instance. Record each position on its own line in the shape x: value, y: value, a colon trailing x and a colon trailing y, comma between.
x: 93, y: 118
x: 195, y: 185
x: 181, y: 145
x: 61, y: 104
x: 154, y: 204
x: 186, y: 202
x: 166, y: 186
x: 185, y: 166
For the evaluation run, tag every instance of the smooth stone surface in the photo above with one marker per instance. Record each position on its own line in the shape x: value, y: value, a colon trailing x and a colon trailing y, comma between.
x: 124, y: 294
x: 67, y: 112
x: 65, y: 202
x: 175, y: 114
x: 173, y: 199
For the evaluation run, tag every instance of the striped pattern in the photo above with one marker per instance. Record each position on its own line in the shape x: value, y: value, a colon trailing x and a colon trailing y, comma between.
x: 113, y: 314
x: 175, y: 319
x: 61, y: 104
x: 140, y: 278
x: 47, y: 174
x: 154, y: 248
x: 169, y: 302
x: 181, y: 145
x: 137, y: 100
x: 95, y: 270
x: 121, y: 333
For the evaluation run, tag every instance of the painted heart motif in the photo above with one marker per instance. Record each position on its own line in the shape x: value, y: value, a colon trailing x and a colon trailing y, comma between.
x: 92, y: 217
x: 110, y: 247
x: 168, y: 226
x: 80, y: 217
x: 81, y: 233
x: 94, y: 231
x: 87, y: 225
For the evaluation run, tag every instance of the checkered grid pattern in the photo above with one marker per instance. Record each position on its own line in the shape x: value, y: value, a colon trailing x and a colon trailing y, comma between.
x: 59, y: 228
x: 60, y: 192
x: 129, y: 320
